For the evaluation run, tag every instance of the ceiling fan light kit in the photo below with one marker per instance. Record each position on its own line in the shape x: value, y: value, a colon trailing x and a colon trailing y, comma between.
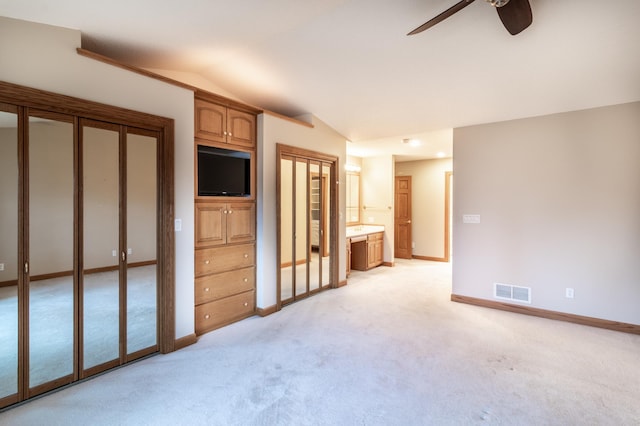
x: 515, y: 15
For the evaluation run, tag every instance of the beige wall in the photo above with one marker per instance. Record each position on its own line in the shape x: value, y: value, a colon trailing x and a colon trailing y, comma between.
x: 559, y: 199
x: 427, y: 204
x: 44, y: 57
x: 376, y: 184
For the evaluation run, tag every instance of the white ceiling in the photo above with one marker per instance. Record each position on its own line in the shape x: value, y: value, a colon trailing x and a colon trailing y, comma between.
x: 350, y: 63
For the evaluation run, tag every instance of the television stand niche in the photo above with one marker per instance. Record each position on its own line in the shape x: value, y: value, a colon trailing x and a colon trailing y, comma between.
x: 225, y: 211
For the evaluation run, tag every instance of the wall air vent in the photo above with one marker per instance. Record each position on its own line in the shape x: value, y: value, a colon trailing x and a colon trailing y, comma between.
x: 512, y: 292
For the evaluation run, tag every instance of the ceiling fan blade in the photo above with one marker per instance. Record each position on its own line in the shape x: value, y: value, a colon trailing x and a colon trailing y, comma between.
x: 515, y: 15
x: 444, y: 15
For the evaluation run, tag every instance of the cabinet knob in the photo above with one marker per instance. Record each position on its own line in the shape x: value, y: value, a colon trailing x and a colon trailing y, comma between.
x: 206, y: 262
x: 246, y: 280
x: 206, y: 289
x: 230, y: 134
x: 225, y: 133
x: 230, y: 211
x: 225, y: 212
x: 246, y: 255
x: 246, y: 303
x: 207, y: 316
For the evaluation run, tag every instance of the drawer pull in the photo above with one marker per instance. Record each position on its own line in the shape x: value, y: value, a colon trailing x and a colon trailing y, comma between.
x: 206, y: 289
x: 207, y: 316
x: 206, y: 262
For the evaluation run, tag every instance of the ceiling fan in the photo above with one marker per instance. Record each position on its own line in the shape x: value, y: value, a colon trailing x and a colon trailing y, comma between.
x: 514, y: 14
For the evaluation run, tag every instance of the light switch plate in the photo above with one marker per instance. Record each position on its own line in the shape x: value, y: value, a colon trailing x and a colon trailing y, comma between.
x: 470, y: 218
x: 178, y: 225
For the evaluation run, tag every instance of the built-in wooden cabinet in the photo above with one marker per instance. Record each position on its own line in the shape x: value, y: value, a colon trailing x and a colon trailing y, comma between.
x: 225, y: 226
x: 375, y: 248
x: 224, y: 285
x: 219, y: 123
x: 220, y: 223
x: 348, y: 257
x: 366, y: 251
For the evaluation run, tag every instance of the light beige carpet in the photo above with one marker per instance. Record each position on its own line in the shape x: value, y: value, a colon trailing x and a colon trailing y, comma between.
x: 387, y: 349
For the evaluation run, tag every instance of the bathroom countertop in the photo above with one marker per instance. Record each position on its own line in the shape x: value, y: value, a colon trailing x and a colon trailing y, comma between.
x: 358, y: 230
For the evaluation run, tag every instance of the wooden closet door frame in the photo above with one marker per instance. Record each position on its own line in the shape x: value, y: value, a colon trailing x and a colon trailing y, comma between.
x: 296, y: 152
x: 22, y: 99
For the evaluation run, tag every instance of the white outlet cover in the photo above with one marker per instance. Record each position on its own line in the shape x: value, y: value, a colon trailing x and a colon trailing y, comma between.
x: 1, y: 266
x: 178, y: 225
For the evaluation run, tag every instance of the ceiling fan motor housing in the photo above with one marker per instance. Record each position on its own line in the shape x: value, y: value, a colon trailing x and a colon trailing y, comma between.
x: 497, y: 3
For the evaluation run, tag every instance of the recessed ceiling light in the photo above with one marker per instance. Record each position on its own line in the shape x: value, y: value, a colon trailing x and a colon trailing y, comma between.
x: 412, y: 142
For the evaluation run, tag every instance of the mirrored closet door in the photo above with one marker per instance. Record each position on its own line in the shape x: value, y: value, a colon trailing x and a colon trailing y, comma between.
x: 86, y: 241
x: 9, y: 261
x: 141, y: 237
x: 119, y: 227
x: 307, y: 223
x: 100, y: 279
x: 50, y: 264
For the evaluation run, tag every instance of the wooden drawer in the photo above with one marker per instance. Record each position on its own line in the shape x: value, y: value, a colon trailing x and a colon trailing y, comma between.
x: 217, y: 286
x: 375, y: 237
x: 222, y: 259
x: 221, y: 312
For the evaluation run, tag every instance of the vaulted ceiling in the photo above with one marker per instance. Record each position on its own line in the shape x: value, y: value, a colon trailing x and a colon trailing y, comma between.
x: 351, y: 64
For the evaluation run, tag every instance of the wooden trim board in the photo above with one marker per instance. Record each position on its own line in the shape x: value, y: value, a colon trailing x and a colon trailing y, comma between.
x: 263, y: 312
x: 554, y: 315
x: 431, y: 258
x: 185, y: 341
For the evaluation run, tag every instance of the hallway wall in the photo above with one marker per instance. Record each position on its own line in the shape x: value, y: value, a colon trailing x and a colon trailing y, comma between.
x: 559, y: 201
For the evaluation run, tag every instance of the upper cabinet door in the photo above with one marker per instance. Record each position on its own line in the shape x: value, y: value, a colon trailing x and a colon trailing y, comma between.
x: 218, y: 123
x: 241, y: 128
x: 211, y: 121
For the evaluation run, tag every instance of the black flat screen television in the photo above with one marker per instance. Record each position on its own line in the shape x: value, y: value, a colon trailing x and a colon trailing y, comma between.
x: 223, y: 172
